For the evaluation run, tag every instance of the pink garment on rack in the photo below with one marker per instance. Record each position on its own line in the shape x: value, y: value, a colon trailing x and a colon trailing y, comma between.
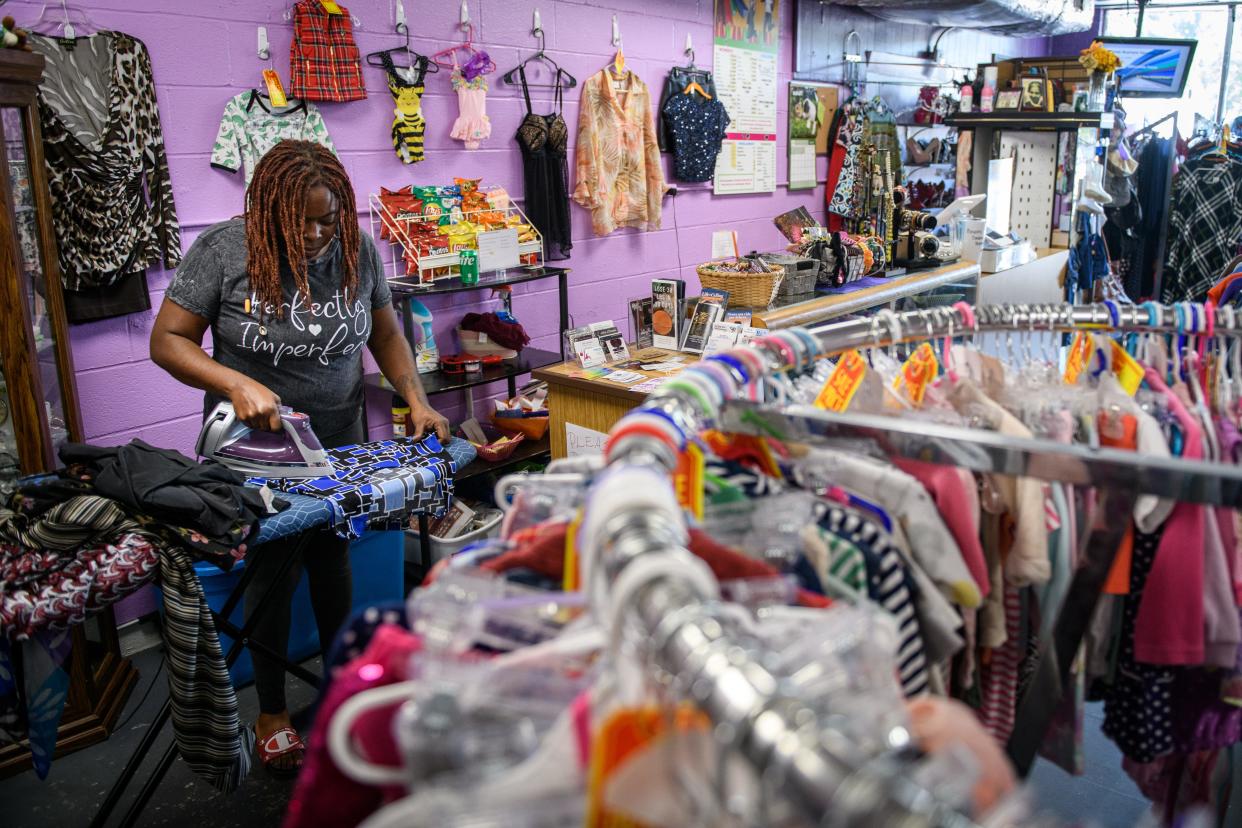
x: 954, y: 502
x: 1170, y: 624
x: 325, y: 797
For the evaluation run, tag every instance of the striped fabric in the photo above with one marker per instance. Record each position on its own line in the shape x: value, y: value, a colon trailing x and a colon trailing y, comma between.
x: 998, y: 686
x: 206, y: 724
x: 846, y: 562
x: 888, y: 586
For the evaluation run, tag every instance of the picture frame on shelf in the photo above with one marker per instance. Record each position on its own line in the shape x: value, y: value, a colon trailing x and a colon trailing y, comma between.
x: 1008, y: 100
x: 1034, y: 94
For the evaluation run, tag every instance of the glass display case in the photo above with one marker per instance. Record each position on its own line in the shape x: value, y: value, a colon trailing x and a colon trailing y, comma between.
x: 38, y: 403
x: 38, y: 397
x: 956, y: 281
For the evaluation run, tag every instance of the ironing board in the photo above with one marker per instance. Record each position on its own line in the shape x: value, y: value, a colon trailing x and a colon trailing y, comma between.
x: 305, y: 513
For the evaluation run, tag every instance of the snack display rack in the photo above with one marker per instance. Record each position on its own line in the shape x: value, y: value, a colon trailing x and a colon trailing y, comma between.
x: 411, y: 256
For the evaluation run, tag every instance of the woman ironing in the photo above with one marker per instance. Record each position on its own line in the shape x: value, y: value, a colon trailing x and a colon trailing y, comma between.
x: 292, y: 292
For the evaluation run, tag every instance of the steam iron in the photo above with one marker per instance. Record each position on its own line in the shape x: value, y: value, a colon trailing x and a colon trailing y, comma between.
x: 294, y: 451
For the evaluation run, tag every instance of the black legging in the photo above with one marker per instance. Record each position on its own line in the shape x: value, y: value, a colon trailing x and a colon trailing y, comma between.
x: 325, y: 559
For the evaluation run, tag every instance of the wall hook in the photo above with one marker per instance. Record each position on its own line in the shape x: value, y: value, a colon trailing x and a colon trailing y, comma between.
x: 265, y: 51
x: 689, y: 50
x: 537, y: 29
x: 616, y: 32
x: 465, y: 14
x: 402, y: 28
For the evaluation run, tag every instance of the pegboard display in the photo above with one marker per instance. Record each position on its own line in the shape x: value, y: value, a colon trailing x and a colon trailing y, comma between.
x: 1034, y: 183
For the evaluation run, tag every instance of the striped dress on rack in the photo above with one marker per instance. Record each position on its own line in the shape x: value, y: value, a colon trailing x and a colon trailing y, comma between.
x: 998, y: 684
x: 888, y: 586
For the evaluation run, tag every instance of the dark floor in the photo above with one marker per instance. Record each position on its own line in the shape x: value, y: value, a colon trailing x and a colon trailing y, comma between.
x: 78, y: 782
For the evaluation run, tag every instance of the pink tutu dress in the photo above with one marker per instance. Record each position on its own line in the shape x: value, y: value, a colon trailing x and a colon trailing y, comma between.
x: 472, y: 125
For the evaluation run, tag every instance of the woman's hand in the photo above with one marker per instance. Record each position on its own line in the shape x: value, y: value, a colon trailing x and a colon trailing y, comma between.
x: 424, y: 418
x: 256, y: 405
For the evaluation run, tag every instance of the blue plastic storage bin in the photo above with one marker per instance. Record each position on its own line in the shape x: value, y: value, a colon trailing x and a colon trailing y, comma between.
x: 377, y: 563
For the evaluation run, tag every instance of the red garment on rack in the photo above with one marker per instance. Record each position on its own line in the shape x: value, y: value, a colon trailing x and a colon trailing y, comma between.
x: 1170, y: 624
x: 545, y: 554
x: 1118, y: 582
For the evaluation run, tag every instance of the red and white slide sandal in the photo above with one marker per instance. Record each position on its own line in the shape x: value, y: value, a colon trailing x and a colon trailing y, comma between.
x: 278, y: 744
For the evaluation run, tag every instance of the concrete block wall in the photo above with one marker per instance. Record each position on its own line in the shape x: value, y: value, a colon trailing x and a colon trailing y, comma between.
x: 203, y: 54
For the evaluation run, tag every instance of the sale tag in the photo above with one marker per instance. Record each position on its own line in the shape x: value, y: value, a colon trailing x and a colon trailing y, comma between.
x: 623, y: 735
x: 274, y: 90
x: 330, y: 7
x: 688, y: 480
x: 843, y: 383
x: 1079, y: 355
x: 569, y: 576
x: 1128, y: 370
x: 917, y: 373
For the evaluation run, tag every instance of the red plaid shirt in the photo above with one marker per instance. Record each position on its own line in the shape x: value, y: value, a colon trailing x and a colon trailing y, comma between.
x: 324, y: 63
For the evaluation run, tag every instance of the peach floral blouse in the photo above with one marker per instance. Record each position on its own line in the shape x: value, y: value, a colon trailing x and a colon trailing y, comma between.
x: 619, y: 177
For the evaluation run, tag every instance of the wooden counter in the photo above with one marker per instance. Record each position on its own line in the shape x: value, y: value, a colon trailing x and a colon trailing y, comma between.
x: 575, y: 397
x: 826, y: 307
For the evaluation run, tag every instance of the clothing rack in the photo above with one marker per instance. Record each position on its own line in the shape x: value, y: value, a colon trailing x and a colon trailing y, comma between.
x: 633, y: 547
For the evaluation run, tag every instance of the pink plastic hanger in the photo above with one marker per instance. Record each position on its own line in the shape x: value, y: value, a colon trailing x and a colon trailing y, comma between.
x: 448, y: 57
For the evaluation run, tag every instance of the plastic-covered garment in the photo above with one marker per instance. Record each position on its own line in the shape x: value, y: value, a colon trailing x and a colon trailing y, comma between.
x: 325, y: 797
x: 678, y: 78
x: 472, y: 125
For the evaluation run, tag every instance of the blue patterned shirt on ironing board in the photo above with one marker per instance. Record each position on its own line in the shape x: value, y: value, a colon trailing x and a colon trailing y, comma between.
x: 379, y: 484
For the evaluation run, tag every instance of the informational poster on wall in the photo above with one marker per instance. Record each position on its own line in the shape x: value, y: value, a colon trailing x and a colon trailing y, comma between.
x: 744, y: 66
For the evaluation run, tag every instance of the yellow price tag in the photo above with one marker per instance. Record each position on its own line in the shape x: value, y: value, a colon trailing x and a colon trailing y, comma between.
x: 688, y: 480
x: 330, y: 7
x: 569, y: 576
x: 920, y: 368
x: 1079, y: 355
x: 1129, y: 372
x: 843, y: 383
x: 274, y: 90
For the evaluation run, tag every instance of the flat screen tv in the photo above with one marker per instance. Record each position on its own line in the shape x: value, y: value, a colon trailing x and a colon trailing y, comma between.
x: 1151, y: 67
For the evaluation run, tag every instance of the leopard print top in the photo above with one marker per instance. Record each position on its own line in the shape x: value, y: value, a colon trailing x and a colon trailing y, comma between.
x: 112, y: 200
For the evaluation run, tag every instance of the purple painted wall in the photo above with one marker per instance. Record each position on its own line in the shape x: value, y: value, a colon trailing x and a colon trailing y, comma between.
x: 1072, y: 44
x: 203, y: 54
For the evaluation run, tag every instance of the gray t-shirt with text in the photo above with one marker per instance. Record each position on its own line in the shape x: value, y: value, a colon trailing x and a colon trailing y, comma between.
x: 312, y: 357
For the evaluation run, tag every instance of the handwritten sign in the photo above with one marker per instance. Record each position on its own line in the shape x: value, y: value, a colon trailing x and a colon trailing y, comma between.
x: 583, y: 442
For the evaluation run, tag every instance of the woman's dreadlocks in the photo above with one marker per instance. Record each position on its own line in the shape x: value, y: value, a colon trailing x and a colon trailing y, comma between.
x: 275, y: 207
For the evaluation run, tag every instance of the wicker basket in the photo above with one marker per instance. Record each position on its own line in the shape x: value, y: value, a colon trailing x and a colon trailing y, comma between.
x: 746, y: 290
